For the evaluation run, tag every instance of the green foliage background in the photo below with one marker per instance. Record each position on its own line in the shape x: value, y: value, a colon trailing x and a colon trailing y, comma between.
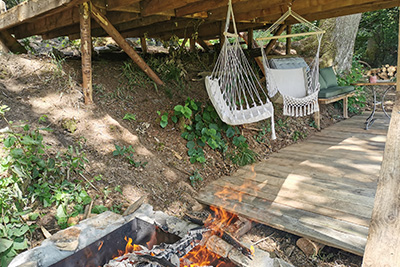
x: 377, y: 37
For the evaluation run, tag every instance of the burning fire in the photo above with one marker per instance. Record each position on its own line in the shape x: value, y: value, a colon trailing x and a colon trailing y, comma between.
x: 201, y: 256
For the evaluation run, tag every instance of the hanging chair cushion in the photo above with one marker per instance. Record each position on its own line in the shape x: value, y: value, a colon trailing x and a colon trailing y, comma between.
x: 287, y: 63
x: 322, y: 83
x: 334, y: 91
x: 291, y: 82
x: 329, y: 76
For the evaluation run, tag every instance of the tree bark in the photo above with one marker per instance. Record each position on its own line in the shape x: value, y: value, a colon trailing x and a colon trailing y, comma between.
x: 337, y: 46
x: 338, y: 43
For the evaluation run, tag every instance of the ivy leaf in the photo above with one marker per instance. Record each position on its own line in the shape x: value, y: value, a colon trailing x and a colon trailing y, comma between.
x: 17, y: 153
x: 10, y: 141
x: 230, y: 132
x: 60, y: 214
x: 20, y: 245
x: 5, y: 244
x: 190, y: 144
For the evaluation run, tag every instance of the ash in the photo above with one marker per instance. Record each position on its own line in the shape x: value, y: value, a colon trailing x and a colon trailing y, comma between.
x: 163, y: 255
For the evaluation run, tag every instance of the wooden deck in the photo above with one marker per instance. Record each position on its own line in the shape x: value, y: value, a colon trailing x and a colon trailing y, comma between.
x: 322, y: 188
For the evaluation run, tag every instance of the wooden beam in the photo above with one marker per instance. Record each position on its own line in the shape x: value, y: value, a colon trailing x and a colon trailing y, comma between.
x: 66, y: 23
x: 192, y: 44
x: 203, y: 44
x: 143, y: 44
x: 151, y: 7
x: 116, y: 18
x: 123, y: 5
x: 109, y: 28
x: 250, y: 38
x: 288, y: 40
x: 86, y: 53
x: 11, y: 43
x: 205, y: 5
x: 30, y: 9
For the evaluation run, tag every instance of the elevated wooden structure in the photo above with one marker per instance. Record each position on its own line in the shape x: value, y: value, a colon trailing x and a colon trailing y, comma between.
x: 322, y: 188
x: 163, y: 18
x: 203, y: 19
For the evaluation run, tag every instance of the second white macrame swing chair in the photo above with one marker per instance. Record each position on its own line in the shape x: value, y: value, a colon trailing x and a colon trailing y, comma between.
x: 233, y: 87
x: 299, y: 87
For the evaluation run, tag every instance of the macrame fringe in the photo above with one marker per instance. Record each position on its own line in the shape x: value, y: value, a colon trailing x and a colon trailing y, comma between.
x: 300, y: 111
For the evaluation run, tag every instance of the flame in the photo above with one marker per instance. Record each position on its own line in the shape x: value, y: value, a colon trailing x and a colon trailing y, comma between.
x: 201, y: 256
x: 129, y: 247
x: 253, y: 251
x: 101, y: 245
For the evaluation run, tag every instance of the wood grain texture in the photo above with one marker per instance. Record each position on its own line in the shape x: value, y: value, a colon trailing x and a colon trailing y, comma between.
x: 322, y: 188
x: 384, y: 234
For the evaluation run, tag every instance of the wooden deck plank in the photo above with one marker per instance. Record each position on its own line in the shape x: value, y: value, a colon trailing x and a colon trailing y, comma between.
x: 322, y: 188
x: 302, y: 200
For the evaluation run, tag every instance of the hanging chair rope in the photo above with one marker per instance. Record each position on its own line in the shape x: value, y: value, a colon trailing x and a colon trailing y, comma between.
x: 233, y: 87
x: 302, y: 98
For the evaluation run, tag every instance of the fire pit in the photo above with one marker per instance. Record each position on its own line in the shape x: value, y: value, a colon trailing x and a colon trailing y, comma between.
x: 142, y: 239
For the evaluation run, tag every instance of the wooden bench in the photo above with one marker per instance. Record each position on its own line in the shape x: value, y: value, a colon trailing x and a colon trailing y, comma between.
x: 324, y: 101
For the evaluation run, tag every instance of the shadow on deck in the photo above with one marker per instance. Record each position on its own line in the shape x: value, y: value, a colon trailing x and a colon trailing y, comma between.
x: 322, y: 188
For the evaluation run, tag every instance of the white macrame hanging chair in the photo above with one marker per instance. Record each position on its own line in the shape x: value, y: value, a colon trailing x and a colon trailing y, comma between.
x: 299, y: 87
x: 233, y: 87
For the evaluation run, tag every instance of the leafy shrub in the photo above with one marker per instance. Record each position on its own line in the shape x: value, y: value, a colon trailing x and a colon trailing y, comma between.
x: 30, y: 174
x: 355, y: 75
x: 202, y: 127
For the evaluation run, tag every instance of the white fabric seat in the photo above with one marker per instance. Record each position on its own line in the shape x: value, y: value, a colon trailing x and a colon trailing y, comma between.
x: 295, y: 81
x: 233, y: 87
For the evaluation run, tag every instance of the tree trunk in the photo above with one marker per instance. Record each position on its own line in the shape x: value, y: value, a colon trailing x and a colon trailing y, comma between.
x: 338, y: 42
x: 337, y: 45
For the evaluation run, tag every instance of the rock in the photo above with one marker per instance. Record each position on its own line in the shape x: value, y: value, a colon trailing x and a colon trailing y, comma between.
x: 67, y: 239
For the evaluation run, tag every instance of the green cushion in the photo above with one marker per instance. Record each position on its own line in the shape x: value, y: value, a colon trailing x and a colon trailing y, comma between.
x: 322, y: 83
x: 329, y: 76
x: 334, y: 91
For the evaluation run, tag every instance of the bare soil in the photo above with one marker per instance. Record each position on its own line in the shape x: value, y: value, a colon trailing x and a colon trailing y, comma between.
x: 34, y: 85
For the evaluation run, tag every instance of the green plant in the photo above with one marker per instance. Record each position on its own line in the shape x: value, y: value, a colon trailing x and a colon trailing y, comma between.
x: 262, y: 135
x: 298, y: 135
x: 127, y: 153
x: 32, y: 174
x: 242, y: 155
x: 163, y: 119
x: 357, y: 101
x: 129, y: 117
x: 195, y: 178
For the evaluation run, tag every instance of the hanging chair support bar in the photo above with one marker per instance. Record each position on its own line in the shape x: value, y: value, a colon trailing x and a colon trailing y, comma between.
x: 290, y: 35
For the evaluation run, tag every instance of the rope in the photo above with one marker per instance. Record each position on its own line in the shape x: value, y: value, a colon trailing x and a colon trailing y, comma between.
x: 233, y: 87
x: 296, y: 106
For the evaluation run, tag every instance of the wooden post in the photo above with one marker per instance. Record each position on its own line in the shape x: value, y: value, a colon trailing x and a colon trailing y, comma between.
x: 110, y: 29
x: 271, y: 43
x: 288, y: 40
x: 184, y: 43
x: 221, y: 35
x: 383, y: 241
x: 250, y: 39
x: 143, y: 43
x: 86, y: 52
x: 203, y: 44
x: 192, y: 44
x: 345, y: 108
x: 10, y: 43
